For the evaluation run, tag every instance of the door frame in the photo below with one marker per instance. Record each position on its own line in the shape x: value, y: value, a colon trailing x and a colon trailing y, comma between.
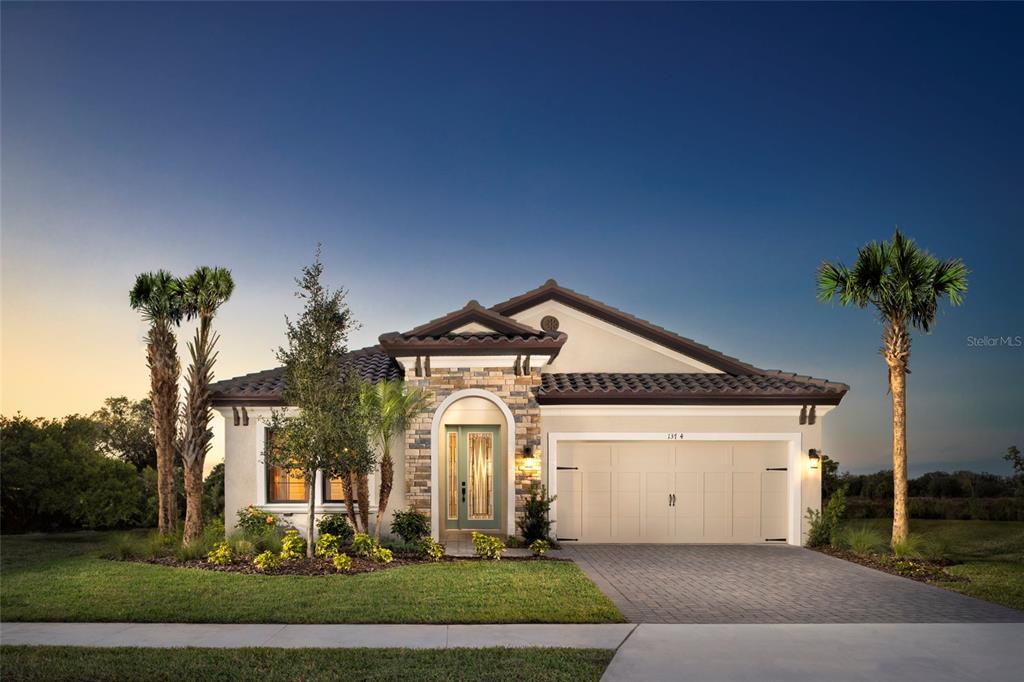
x: 436, y: 500
x: 794, y: 463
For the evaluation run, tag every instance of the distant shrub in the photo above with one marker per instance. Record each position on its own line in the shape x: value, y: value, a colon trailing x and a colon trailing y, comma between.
x: 293, y: 546
x: 942, y: 508
x: 410, y: 525
x: 535, y: 523
x: 326, y: 546
x: 221, y: 554
x: 430, y: 550
x: 488, y: 547
x: 267, y: 561
x: 342, y: 563
x: 254, y: 521
x: 336, y: 525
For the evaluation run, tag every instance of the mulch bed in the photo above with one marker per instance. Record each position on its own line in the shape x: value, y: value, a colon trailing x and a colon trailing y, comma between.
x: 316, y: 566
x: 922, y: 570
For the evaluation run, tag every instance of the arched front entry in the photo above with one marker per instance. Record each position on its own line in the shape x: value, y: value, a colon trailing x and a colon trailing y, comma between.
x: 445, y: 426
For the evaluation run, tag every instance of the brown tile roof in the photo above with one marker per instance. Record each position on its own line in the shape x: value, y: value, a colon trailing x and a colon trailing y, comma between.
x: 607, y: 388
x: 267, y: 387
x: 551, y: 290
x: 474, y: 344
x: 469, y: 313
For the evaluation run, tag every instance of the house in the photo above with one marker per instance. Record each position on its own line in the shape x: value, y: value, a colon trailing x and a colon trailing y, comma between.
x: 643, y: 435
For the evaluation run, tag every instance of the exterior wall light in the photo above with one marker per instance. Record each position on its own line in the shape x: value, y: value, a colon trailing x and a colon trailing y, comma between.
x: 814, y: 458
x: 531, y: 458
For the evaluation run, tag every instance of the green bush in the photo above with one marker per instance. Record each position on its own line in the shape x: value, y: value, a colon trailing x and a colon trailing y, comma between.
x: 271, y: 539
x: 342, y: 563
x: 254, y: 522
x: 368, y: 548
x: 293, y: 546
x: 862, y: 539
x: 410, y: 525
x: 190, y: 551
x: 157, y: 545
x: 126, y: 546
x: 943, y: 508
x: 540, y: 547
x: 326, y: 546
x: 488, y: 547
x: 431, y: 550
x: 221, y: 554
x: 910, y: 548
x: 267, y: 561
x: 336, y: 525
x: 382, y: 555
x: 535, y: 523
x: 242, y: 547
x: 824, y: 525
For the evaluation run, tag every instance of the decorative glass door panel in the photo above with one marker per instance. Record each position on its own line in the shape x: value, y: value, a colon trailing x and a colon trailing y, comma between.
x: 473, y: 477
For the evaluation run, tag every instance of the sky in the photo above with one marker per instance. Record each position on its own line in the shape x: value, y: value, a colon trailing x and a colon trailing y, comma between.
x: 691, y: 164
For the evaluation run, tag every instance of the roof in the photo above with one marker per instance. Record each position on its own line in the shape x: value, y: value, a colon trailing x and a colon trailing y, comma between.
x: 474, y: 344
x: 681, y: 389
x: 470, y: 313
x: 552, y: 291
x: 267, y: 387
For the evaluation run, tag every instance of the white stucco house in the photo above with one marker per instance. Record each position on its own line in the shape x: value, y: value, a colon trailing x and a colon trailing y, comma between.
x: 643, y: 435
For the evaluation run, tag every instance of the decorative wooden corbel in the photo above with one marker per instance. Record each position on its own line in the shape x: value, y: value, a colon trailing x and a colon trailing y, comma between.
x: 234, y: 412
x: 419, y: 367
x: 426, y: 366
x: 803, y: 414
x: 245, y: 417
x: 811, y: 416
x: 515, y: 366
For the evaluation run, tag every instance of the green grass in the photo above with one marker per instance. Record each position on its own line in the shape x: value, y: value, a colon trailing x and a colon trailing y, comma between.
x: 991, y: 554
x: 18, y: 663
x: 62, y: 578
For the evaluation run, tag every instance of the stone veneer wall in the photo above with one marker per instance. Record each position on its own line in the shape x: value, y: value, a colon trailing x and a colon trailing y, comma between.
x: 518, y: 394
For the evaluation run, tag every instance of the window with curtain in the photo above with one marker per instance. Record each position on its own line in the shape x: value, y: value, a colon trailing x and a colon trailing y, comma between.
x: 284, y: 484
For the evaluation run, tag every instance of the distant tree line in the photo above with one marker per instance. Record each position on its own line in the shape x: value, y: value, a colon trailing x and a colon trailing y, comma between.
x: 93, y: 472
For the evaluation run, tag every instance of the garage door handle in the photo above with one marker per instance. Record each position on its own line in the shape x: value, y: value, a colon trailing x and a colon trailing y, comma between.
x: 673, y: 499
x: 567, y: 468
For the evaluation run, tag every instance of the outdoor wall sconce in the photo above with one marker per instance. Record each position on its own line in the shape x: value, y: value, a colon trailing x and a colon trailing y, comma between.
x: 531, y: 458
x: 814, y: 458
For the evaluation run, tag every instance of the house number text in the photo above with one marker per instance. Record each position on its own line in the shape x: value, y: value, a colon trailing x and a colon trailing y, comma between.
x: 674, y: 436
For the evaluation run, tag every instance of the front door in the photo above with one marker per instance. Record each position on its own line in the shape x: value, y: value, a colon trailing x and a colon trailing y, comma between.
x: 473, y: 477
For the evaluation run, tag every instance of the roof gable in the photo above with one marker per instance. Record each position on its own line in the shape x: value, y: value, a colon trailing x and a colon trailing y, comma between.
x: 474, y: 316
x: 551, y: 291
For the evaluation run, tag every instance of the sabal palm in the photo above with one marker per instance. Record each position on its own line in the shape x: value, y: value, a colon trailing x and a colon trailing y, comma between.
x: 390, y: 406
x: 203, y: 292
x: 157, y: 295
x: 904, y: 284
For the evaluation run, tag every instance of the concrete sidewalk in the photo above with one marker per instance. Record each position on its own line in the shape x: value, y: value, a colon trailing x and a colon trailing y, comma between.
x: 314, y: 636
x: 901, y: 652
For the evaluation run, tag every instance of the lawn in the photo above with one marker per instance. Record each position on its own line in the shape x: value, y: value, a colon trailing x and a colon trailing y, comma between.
x: 19, y: 663
x: 63, y: 578
x: 991, y: 555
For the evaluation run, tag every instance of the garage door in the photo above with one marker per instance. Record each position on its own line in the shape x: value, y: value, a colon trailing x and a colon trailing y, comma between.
x: 672, y: 492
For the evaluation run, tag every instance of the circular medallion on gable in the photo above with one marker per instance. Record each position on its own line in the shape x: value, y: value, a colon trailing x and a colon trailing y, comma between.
x: 549, y: 323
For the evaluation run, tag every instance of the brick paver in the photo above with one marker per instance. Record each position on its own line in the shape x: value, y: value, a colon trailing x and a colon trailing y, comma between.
x: 766, y: 584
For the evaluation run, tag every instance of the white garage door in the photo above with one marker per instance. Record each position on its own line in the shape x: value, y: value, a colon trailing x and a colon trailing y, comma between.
x: 626, y: 491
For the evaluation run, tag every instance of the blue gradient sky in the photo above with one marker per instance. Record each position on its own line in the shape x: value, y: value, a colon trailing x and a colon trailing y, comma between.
x: 691, y: 164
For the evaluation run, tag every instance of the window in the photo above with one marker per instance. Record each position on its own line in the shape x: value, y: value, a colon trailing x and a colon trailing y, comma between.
x: 283, y: 484
x: 333, y: 491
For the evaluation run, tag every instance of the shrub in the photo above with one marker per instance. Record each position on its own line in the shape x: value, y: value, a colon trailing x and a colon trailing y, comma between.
x: 293, y: 546
x: 911, y: 547
x: 430, y: 550
x: 824, y: 525
x: 267, y: 561
x: 488, y: 547
x: 342, y: 562
x: 243, y: 547
x: 540, y: 547
x: 190, y: 551
x: 410, y: 525
x: 382, y: 555
x: 535, y: 524
x: 367, y: 547
x: 326, y: 546
x: 336, y: 525
x: 271, y: 539
x: 862, y: 539
x: 221, y: 554
x: 254, y: 521
x: 157, y: 545
x: 213, y: 531
x: 125, y: 546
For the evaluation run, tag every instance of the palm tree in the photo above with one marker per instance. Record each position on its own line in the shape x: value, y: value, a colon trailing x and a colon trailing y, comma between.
x: 904, y: 284
x: 203, y: 292
x: 157, y: 295
x: 390, y: 406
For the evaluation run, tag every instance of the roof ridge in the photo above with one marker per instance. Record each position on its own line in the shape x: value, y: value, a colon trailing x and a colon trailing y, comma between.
x: 467, y: 314
x: 727, y: 363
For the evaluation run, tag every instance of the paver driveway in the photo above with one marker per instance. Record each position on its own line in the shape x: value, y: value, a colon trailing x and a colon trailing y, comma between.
x: 766, y: 584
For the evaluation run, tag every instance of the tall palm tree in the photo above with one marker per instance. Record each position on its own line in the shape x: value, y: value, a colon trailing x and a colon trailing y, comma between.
x: 157, y: 295
x: 390, y: 406
x: 904, y: 284
x: 203, y: 292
